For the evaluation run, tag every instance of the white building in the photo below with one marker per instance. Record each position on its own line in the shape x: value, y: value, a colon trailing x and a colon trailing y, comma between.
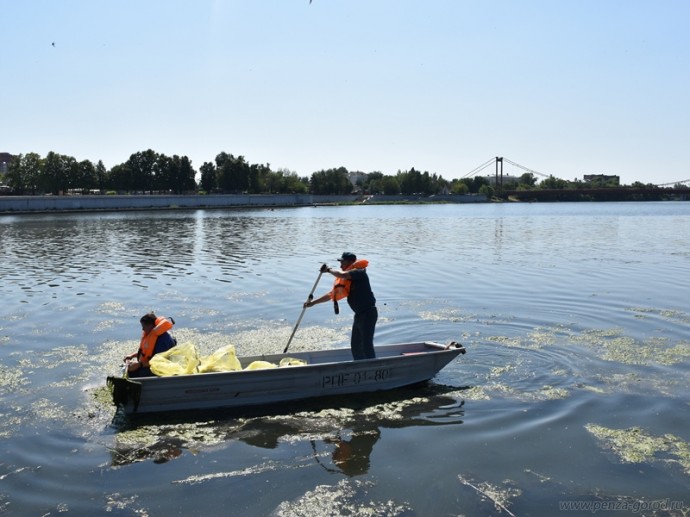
x: 506, y: 179
x: 4, y: 162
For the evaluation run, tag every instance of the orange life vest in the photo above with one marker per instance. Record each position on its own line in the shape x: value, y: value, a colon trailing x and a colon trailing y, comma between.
x: 148, y: 340
x: 341, y: 286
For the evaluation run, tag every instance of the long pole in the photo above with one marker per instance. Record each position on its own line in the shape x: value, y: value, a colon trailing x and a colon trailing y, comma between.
x: 309, y: 298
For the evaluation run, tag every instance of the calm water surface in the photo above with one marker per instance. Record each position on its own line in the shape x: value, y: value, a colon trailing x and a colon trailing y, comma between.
x: 575, y: 388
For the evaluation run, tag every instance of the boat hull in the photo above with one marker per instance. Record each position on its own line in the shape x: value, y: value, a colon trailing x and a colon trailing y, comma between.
x: 327, y: 373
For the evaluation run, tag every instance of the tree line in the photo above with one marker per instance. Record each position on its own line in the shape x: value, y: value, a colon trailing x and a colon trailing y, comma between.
x: 152, y: 172
x: 145, y: 171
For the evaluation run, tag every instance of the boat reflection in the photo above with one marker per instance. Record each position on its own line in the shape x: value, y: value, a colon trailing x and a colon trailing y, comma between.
x: 347, y: 434
x: 351, y: 456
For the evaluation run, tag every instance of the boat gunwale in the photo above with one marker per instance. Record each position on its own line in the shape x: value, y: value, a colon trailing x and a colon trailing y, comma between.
x: 425, y: 355
x: 436, y: 348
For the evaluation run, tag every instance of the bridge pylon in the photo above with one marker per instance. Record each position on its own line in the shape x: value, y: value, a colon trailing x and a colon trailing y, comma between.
x: 499, y: 160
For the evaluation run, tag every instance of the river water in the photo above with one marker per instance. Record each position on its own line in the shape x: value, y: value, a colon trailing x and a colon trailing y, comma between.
x: 574, y: 390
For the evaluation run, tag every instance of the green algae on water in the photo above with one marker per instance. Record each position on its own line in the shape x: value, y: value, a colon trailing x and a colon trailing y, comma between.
x: 667, y: 314
x: 11, y: 380
x: 116, y: 503
x: 506, y: 341
x: 635, y: 445
x: 448, y: 314
x: 500, y: 496
x: 495, y: 390
x: 9, y: 425
x: 474, y: 393
x: 345, y: 498
x: 610, y: 344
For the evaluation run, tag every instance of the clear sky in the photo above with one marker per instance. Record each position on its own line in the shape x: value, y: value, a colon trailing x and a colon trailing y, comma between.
x: 562, y: 87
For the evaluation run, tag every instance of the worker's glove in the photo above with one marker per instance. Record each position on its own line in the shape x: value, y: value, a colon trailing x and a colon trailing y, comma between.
x: 324, y: 268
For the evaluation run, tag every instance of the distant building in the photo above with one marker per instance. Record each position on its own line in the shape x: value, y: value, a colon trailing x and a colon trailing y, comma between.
x: 491, y: 178
x: 357, y: 179
x: 356, y: 176
x: 5, y: 159
x: 602, y: 179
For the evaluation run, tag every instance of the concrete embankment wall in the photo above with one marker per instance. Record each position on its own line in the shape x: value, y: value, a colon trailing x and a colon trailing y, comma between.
x: 24, y: 204
x: 439, y: 198
x: 145, y: 202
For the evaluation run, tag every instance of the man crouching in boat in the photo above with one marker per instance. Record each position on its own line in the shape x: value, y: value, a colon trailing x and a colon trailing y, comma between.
x: 154, y: 340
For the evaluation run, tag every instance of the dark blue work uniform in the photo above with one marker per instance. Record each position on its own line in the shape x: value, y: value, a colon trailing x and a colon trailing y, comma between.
x: 164, y: 343
x: 362, y: 302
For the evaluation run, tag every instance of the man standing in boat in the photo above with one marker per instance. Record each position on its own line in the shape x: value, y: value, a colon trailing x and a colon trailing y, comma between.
x: 352, y: 281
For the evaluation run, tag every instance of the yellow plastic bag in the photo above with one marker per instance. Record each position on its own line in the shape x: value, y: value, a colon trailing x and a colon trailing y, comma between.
x: 291, y: 361
x: 222, y: 360
x: 285, y: 361
x: 260, y: 365
x: 179, y: 360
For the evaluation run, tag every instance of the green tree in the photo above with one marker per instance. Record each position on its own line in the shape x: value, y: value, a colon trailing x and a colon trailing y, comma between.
x: 390, y: 186
x: 119, y: 178
x: 24, y: 173
x: 331, y: 181
x: 476, y: 183
x: 164, y: 172
x: 258, y: 178
x: 527, y: 181
x: 32, y: 167
x: 83, y: 176
x: 209, y: 180
x: 275, y: 182
x: 174, y: 174
x: 186, y: 179
x: 510, y: 185
x: 553, y: 183
x: 459, y: 187
x: 233, y: 173
x: 293, y: 184
x: 373, y: 184
x: 101, y: 176
x: 414, y: 182
x: 487, y: 190
x: 55, y: 177
x: 140, y: 171
x: 15, y: 176
x: 438, y: 184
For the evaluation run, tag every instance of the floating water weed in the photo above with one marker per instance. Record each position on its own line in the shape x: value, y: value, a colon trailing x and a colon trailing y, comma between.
x: 635, y: 445
x: 447, y: 314
x: 11, y: 380
x: 667, y: 314
x: 341, y: 499
x: 500, y: 496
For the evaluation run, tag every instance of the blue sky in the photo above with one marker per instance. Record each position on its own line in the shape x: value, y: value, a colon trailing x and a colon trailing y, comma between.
x: 561, y: 87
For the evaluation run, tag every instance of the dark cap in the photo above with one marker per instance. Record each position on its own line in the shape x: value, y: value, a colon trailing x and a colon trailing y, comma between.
x: 149, y: 318
x: 347, y: 256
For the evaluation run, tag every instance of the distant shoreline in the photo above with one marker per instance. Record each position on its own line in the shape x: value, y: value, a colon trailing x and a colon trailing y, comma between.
x: 15, y: 205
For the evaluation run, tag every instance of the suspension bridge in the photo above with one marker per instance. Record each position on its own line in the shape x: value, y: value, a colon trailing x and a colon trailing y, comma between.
x: 650, y: 192
x: 499, y: 160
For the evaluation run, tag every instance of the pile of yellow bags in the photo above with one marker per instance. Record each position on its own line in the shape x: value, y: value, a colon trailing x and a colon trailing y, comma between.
x: 184, y: 360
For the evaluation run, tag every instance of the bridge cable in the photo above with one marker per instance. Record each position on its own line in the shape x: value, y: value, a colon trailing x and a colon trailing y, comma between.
x: 673, y: 183
x: 525, y: 168
x: 479, y: 168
